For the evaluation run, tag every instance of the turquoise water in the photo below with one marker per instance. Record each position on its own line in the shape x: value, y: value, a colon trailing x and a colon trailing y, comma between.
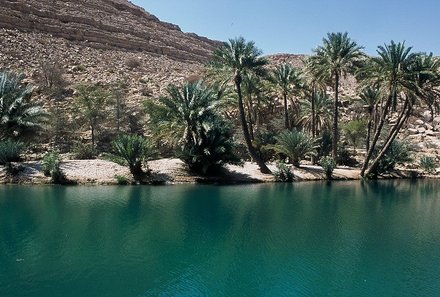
x: 305, y: 239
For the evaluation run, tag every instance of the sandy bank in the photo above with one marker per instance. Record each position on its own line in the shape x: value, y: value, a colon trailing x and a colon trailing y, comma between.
x: 168, y: 171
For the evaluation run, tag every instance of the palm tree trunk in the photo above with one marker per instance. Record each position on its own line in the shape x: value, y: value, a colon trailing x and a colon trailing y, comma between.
x: 251, y: 126
x: 406, y: 111
x: 263, y: 168
x: 370, y: 124
x: 377, y: 134
x: 92, y: 128
x: 313, y: 159
x: 286, y: 112
x: 335, y: 119
x: 313, y: 113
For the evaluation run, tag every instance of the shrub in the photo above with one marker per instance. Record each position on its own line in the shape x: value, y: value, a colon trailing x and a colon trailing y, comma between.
x: 345, y: 157
x: 20, y: 116
x: 10, y: 151
x: 283, y: 173
x: 214, y: 148
x: 132, y: 63
x: 122, y: 180
x: 329, y: 165
x: 398, y: 152
x: 52, y: 79
x: 133, y: 151
x: 428, y: 164
x: 295, y: 145
x: 84, y: 151
x: 52, y: 167
x: 325, y: 144
x: 92, y: 102
x: 188, y: 119
x: 355, y: 131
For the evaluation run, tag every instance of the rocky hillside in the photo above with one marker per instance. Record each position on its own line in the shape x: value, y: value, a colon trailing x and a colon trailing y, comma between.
x: 98, y: 41
x: 105, y: 24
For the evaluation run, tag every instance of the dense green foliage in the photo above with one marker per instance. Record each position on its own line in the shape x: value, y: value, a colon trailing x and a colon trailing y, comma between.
x: 10, y: 151
x: 52, y: 167
x: 91, y: 103
x: 133, y: 151
x: 428, y: 164
x: 188, y: 118
x: 399, y: 152
x: 283, y: 173
x: 355, y: 131
x: 20, y: 117
x: 239, y: 58
x: 295, y: 145
x: 329, y: 165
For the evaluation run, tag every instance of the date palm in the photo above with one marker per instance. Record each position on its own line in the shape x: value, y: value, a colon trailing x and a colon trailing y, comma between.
x: 316, y: 113
x: 369, y: 98
x: 286, y: 78
x: 20, y: 117
x: 426, y: 71
x: 295, y: 145
x: 238, y: 57
x: 335, y: 58
x: 391, y: 71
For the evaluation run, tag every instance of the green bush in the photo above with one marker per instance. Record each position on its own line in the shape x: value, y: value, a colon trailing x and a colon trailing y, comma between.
x: 283, y: 173
x: 122, y: 180
x: 345, y: 157
x: 52, y: 167
x: 188, y: 120
x: 84, y: 151
x: 21, y: 117
x: 398, y: 152
x: 10, y: 151
x: 428, y: 164
x: 132, y: 151
x: 355, y: 131
x: 295, y: 145
x: 214, y: 148
x: 329, y: 165
x: 325, y: 144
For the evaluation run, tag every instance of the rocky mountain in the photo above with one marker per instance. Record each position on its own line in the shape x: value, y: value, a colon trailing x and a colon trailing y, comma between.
x: 98, y: 41
x: 105, y: 24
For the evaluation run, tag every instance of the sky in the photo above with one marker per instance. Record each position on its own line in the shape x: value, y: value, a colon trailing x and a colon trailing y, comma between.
x: 297, y: 27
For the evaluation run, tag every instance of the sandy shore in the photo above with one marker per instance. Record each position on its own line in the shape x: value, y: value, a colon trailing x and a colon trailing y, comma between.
x: 168, y: 171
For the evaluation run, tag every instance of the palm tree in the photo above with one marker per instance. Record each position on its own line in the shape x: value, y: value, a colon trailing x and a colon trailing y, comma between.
x: 286, y: 78
x: 316, y: 113
x: 391, y: 71
x: 134, y: 151
x: 180, y: 114
x: 369, y: 98
x: 239, y: 57
x: 337, y: 56
x: 294, y: 144
x: 188, y: 117
x: 19, y: 116
x: 426, y: 71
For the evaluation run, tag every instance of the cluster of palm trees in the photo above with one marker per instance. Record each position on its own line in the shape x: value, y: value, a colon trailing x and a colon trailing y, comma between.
x: 286, y: 111
x: 390, y: 85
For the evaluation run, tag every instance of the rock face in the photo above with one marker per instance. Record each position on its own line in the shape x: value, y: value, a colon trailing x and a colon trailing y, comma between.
x: 105, y: 24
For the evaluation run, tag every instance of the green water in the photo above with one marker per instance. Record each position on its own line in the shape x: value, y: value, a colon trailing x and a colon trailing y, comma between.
x: 306, y: 239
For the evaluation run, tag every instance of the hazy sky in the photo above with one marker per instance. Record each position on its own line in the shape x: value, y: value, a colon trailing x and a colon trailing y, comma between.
x: 289, y: 26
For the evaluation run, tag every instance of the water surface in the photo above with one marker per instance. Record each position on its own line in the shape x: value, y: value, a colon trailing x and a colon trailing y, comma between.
x: 305, y: 239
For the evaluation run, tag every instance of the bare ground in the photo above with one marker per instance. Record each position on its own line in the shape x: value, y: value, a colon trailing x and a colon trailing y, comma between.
x: 167, y: 171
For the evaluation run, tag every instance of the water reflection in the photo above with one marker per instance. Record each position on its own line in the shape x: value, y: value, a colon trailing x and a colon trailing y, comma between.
x: 306, y: 239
